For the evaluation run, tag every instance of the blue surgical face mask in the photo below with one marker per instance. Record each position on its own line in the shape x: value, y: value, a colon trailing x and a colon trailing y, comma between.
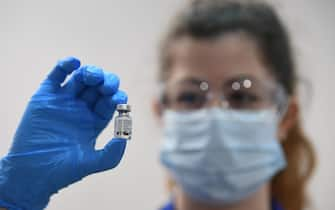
x: 221, y: 156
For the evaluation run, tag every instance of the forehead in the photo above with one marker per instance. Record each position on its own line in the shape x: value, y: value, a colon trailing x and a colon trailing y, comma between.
x: 230, y: 56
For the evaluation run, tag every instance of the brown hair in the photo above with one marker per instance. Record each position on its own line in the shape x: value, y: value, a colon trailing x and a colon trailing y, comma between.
x: 206, y: 19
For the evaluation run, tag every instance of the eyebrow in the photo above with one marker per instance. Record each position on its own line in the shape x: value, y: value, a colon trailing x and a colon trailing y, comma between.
x: 226, y: 84
x: 192, y: 80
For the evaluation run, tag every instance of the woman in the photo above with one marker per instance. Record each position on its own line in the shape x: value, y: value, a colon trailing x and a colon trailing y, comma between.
x: 237, y: 56
x: 232, y: 135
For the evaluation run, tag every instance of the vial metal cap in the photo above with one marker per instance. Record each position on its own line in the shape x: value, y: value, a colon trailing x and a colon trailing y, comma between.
x: 123, y: 107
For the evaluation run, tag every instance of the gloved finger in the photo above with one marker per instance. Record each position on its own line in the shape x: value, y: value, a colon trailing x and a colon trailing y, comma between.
x: 63, y: 68
x: 90, y: 95
x: 85, y: 76
x: 74, y: 86
x: 107, y: 158
x: 90, y: 75
x: 105, y: 106
x: 111, y: 84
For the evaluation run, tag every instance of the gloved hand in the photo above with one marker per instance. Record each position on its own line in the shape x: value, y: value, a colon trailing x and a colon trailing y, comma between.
x: 54, y: 144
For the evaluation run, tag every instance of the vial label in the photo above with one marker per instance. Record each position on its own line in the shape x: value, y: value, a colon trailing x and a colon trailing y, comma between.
x: 123, y: 127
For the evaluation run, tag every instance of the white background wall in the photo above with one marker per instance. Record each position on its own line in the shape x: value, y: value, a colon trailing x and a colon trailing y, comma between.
x: 122, y: 36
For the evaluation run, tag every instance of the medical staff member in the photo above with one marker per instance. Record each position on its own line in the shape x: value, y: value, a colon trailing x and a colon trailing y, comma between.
x: 232, y: 138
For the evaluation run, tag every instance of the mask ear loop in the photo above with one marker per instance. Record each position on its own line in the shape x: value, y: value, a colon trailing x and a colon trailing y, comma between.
x: 283, y: 103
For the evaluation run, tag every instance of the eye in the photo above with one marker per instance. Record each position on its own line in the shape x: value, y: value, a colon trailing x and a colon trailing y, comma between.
x: 191, y: 100
x: 188, y: 97
x: 241, y: 99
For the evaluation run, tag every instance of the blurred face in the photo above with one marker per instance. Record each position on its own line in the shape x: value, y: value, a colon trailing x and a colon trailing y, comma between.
x: 238, y: 142
x: 229, y: 72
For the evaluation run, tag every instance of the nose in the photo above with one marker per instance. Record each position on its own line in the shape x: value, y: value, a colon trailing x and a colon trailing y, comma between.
x: 215, y: 99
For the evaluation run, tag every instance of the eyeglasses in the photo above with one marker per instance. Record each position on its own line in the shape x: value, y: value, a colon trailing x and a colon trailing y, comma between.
x: 243, y: 93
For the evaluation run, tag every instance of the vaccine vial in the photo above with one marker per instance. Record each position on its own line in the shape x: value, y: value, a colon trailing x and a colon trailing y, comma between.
x: 123, y: 122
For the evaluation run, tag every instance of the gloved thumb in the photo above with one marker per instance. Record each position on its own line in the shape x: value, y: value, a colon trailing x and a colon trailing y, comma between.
x: 108, y: 157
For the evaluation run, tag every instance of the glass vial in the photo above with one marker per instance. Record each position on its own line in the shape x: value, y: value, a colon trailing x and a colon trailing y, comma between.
x: 123, y: 122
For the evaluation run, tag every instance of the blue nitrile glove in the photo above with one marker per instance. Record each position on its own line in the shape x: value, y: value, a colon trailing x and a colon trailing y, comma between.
x: 54, y: 144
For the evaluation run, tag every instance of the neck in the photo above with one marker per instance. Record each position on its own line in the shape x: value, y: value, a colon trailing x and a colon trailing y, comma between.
x: 259, y: 200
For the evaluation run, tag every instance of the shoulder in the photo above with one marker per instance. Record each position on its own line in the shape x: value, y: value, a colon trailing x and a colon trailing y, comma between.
x: 276, y: 205
x: 168, y: 206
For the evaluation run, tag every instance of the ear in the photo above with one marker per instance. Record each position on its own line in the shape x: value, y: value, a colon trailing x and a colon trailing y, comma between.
x: 290, y: 118
x: 157, y: 108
